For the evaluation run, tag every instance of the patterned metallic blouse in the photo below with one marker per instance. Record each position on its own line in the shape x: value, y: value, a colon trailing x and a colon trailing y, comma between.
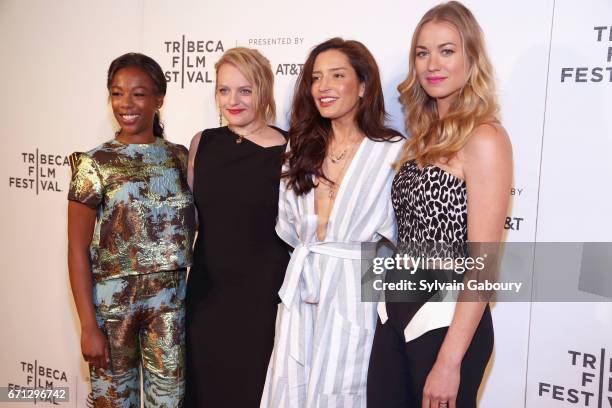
x: 145, y: 221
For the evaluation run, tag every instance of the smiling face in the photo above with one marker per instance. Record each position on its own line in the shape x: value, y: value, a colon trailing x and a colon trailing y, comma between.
x: 235, y: 97
x: 440, y: 62
x: 134, y: 100
x: 335, y: 86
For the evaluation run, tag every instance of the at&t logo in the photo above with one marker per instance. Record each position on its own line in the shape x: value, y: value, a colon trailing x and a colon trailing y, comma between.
x: 513, y: 223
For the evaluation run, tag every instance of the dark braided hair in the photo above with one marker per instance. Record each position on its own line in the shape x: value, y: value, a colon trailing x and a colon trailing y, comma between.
x: 152, y: 68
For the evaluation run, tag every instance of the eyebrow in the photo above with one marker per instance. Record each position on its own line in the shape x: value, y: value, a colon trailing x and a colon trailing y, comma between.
x: 240, y: 87
x: 439, y: 46
x: 332, y: 69
x: 136, y: 87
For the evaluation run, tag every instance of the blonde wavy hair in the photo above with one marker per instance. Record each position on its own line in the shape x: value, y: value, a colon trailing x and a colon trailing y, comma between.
x: 257, y: 70
x: 434, y: 138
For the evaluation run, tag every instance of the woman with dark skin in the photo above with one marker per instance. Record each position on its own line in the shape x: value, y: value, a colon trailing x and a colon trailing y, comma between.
x: 130, y: 230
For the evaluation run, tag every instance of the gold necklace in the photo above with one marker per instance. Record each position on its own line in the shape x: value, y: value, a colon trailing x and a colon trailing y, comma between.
x: 337, y: 158
x: 332, y: 189
x: 242, y: 136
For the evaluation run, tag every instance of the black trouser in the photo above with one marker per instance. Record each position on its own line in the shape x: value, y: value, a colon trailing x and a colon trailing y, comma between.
x: 398, y: 370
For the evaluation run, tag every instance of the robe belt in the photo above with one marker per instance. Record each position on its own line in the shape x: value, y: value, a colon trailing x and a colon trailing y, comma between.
x: 302, y: 279
x: 301, y: 289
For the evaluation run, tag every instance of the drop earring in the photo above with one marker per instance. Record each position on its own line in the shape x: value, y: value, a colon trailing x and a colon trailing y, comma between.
x: 220, y: 118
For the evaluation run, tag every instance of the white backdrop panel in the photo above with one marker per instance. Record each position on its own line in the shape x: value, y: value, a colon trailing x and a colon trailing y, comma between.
x: 570, y: 350
x: 56, y: 56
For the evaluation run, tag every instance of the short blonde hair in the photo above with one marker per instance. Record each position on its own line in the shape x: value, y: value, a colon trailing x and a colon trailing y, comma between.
x: 257, y: 70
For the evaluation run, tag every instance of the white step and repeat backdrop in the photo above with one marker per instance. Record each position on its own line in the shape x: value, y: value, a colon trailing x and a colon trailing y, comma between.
x: 553, y: 60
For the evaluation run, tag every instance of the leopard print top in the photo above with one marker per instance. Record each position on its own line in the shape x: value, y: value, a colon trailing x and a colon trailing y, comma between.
x: 430, y: 205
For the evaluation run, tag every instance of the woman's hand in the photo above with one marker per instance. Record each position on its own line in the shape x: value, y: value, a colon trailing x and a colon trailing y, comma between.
x: 94, y: 347
x: 442, y: 385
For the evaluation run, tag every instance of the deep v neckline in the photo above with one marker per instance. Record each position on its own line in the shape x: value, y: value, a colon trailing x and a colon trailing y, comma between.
x: 339, y: 193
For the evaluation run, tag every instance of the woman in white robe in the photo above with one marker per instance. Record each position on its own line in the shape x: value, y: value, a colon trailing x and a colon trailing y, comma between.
x: 334, y: 196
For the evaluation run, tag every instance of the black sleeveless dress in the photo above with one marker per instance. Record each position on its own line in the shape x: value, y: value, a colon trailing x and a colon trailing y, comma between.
x: 239, y: 266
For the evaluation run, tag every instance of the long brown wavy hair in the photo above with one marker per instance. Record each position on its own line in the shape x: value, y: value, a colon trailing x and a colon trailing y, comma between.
x: 432, y: 137
x: 310, y: 133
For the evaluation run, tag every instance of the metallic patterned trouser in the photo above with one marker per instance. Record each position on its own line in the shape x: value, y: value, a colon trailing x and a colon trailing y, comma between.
x: 143, y: 317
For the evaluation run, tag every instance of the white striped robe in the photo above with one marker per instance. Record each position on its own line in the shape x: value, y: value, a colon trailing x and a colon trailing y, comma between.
x: 324, y: 331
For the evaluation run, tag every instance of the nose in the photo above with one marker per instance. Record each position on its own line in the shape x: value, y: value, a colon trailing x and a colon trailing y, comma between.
x: 126, y: 100
x: 433, y: 63
x: 323, y: 83
x: 233, y: 98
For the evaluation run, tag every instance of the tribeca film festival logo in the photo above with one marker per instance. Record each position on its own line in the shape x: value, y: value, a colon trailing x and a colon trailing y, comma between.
x: 190, y: 60
x: 592, y: 74
x: 40, y: 172
x: 593, y: 386
x: 38, y: 376
x: 283, y: 68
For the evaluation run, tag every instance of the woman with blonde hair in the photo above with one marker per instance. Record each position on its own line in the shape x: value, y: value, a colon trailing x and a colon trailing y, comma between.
x: 452, y: 186
x: 239, y: 261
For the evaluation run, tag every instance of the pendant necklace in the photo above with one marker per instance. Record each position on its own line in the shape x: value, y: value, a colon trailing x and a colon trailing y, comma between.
x: 242, y: 136
x: 337, y: 158
x: 332, y: 188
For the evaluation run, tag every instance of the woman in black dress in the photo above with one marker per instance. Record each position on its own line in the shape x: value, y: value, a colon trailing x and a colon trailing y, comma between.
x: 239, y: 261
